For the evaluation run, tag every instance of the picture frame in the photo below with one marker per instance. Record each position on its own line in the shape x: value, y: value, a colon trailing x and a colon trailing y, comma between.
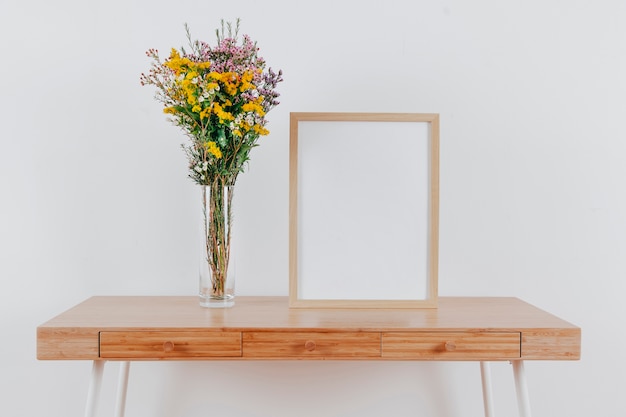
x: 363, y: 210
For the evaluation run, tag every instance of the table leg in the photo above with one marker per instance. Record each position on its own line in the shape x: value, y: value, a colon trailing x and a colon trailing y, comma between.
x: 521, y: 388
x: 485, y: 376
x: 95, y: 383
x: 122, y: 388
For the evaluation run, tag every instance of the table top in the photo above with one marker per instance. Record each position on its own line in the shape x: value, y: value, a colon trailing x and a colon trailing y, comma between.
x: 75, y: 334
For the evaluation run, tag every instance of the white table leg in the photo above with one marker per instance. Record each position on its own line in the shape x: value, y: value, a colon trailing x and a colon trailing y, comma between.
x: 485, y: 375
x: 93, y: 395
x: 521, y: 388
x: 122, y: 388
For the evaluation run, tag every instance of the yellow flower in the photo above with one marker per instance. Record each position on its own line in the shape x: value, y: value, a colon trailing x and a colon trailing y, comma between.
x: 169, y: 110
x: 228, y: 76
x: 204, y: 65
x: 243, y: 126
x: 260, y: 130
x: 190, y: 90
x: 230, y: 88
x: 191, y: 99
x: 230, y: 81
x: 246, y: 81
x: 213, y: 149
x: 205, y: 113
x: 253, y: 107
x: 223, y: 115
x: 176, y: 63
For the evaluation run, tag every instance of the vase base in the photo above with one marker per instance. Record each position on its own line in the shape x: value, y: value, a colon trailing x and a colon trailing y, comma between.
x: 221, y: 302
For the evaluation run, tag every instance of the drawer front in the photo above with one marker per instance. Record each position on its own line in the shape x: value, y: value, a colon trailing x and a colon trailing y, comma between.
x: 169, y: 345
x: 311, y: 345
x: 451, y: 345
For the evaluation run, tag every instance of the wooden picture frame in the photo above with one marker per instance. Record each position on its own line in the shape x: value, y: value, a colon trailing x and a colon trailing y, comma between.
x: 363, y: 210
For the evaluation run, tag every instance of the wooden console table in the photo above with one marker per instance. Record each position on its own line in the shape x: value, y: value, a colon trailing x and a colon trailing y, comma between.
x: 478, y: 329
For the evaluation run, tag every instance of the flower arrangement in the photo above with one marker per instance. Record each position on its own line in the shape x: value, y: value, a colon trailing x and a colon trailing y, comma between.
x: 220, y: 97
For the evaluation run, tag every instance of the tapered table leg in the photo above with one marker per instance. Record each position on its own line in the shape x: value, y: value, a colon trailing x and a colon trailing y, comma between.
x: 122, y: 388
x: 93, y: 395
x: 485, y: 375
x: 521, y: 388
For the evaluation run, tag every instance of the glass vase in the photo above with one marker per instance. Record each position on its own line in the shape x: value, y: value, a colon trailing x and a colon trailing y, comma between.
x: 217, y: 271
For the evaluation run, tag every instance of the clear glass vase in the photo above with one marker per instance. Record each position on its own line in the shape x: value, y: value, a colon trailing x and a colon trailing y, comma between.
x: 217, y: 270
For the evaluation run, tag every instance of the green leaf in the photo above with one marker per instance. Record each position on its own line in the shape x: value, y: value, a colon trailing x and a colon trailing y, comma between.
x: 221, y: 137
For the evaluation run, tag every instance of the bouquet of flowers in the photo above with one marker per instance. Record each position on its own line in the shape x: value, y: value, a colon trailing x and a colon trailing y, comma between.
x: 220, y: 97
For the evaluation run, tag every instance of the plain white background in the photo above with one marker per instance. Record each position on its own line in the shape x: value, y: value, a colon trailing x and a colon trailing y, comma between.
x: 95, y: 200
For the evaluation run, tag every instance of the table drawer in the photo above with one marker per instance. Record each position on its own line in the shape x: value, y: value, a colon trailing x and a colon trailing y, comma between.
x: 169, y: 345
x: 451, y: 345
x: 311, y: 345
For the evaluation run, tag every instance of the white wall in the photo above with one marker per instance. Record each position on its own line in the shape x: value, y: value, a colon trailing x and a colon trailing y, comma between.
x: 95, y: 200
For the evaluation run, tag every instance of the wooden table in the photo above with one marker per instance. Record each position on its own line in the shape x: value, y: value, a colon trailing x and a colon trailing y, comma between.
x: 265, y: 328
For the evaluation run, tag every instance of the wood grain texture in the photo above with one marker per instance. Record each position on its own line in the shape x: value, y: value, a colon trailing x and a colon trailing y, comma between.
x: 74, y: 334
x: 451, y: 345
x: 311, y: 345
x: 169, y: 345
x: 67, y: 343
x: 553, y: 343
